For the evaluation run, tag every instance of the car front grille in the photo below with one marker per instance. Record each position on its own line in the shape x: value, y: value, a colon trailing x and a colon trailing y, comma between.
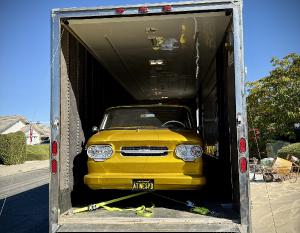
x: 144, y: 151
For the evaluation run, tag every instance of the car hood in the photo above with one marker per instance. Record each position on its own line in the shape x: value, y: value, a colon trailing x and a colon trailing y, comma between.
x: 145, y: 135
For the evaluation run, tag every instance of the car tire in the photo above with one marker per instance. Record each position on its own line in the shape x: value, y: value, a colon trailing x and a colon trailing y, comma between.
x: 268, y: 177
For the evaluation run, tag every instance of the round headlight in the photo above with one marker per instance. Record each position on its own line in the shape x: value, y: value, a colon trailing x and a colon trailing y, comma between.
x: 188, y: 153
x: 99, y: 152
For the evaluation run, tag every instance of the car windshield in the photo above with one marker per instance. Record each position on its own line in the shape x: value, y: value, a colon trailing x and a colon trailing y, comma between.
x: 147, y: 117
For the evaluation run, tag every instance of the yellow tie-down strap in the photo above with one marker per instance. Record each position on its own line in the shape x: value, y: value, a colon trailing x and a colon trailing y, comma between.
x: 141, y: 211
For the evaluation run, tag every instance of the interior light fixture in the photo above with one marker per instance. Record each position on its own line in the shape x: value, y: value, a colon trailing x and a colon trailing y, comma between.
x: 157, y: 62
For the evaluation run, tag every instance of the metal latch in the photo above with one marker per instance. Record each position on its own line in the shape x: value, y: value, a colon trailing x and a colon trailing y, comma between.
x: 239, y: 119
x: 55, y: 124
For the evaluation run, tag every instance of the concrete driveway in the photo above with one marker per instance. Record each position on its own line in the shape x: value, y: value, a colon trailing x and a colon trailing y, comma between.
x: 275, y: 206
x: 7, y: 170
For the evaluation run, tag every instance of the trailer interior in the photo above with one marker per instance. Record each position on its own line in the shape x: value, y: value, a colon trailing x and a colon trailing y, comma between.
x: 175, y: 58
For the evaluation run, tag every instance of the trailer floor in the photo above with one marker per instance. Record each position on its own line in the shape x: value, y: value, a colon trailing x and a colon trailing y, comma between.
x: 168, y: 216
x: 145, y: 225
x: 163, y: 220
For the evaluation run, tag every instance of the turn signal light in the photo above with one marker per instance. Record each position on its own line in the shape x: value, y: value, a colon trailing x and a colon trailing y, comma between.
x: 54, y: 148
x: 243, y: 164
x: 242, y: 145
x: 167, y: 8
x: 53, y: 166
x: 120, y: 10
x: 143, y: 9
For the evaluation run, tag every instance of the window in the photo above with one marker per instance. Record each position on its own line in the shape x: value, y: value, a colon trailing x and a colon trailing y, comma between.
x: 147, y: 117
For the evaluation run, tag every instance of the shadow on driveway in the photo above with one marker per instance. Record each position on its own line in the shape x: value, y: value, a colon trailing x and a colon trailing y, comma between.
x: 26, y: 212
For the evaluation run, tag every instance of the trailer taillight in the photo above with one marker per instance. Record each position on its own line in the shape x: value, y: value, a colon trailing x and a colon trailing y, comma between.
x: 54, y: 148
x: 243, y: 164
x: 242, y: 145
x: 143, y: 9
x: 53, y: 166
x: 120, y: 10
x: 167, y: 8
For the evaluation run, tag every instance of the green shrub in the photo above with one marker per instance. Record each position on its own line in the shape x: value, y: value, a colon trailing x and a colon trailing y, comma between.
x: 37, y: 152
x: 12, y: 148
x: 292, y: 149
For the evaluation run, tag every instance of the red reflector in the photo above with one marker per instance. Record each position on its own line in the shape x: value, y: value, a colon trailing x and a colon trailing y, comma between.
x: 53, y: 166
x: 243, y: 164
x: 120, y: 10
x: 143, y: 9
x: 54, y: 148
x: 242, y: 145
x: 167, y: 8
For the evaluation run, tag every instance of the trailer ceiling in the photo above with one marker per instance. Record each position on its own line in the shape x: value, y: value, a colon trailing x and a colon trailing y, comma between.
x: 127, y: 45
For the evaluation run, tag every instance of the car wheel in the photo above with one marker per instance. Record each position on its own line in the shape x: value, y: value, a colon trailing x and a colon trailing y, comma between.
x: 268, y: 177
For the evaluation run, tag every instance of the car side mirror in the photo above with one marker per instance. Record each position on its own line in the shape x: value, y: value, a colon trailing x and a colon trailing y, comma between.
x: 95, y: 129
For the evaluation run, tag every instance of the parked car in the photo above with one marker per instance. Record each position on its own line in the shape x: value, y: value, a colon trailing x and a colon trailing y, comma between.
x: 46, y: 141
x: 146, y: 147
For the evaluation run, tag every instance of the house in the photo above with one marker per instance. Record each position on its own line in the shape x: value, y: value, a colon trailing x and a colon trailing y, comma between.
x: 35, y: 133
x: 11, y: 124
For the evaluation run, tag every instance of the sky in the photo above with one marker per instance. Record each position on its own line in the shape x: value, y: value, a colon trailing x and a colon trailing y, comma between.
x: 271, y: 29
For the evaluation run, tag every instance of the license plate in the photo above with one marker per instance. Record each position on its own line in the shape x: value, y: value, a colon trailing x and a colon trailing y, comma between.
x: 142, y: 184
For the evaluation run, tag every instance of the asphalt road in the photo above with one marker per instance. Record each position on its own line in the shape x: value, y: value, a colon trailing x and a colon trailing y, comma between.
x: 24, y: 202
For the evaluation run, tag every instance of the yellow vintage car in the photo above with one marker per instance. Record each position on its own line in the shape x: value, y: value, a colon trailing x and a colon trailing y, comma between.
x: 145, y: 147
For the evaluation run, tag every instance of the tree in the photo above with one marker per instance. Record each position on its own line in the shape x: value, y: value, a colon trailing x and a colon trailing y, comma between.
x: 273, y: 102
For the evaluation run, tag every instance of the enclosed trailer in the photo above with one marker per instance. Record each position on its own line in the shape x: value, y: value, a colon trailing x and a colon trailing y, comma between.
x: 187, y: 53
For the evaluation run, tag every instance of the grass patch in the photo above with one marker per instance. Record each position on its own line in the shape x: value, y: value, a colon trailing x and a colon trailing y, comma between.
x: 37, y: 152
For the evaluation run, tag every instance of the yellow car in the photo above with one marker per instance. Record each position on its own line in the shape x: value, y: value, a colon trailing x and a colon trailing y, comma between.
x: 146, y: 147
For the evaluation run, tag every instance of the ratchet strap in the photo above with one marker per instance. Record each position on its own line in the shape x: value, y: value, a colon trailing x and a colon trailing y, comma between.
x: 141, y: 211
x: 191, y: 205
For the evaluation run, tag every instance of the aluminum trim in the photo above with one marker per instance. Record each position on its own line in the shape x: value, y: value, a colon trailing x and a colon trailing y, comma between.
x: 241, y: 117
x: 150, y: 5
x: 55, y: 121
x: 144, y: 151
x: 154, y: 9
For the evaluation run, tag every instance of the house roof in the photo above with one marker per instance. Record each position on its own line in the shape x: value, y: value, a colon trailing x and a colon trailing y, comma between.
x: 43, y: 130
x: 7, y: 121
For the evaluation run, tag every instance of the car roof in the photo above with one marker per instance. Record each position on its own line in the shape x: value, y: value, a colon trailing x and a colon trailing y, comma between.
x: 148, y: 105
